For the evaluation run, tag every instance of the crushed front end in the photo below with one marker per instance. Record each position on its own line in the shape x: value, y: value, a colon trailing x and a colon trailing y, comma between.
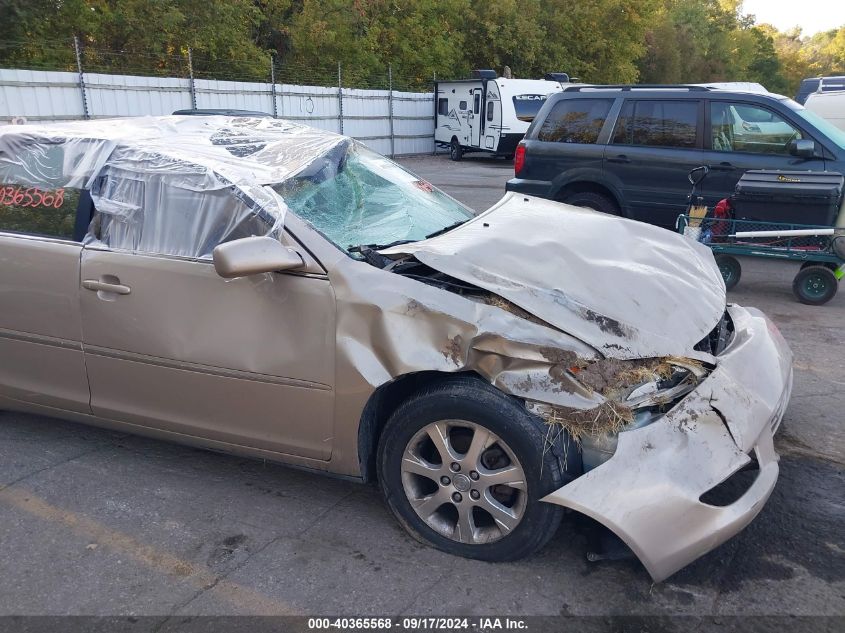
x: 654, y: 489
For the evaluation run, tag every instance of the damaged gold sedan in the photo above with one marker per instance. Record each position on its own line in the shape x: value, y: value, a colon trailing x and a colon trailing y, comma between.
x: 272, y: 290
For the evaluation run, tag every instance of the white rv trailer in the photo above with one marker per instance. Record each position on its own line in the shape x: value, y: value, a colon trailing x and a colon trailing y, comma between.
x: 489, y: 113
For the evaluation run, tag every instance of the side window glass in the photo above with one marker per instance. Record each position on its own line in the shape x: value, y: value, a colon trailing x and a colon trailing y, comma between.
x: 462, y: 105
x: 153, y: 216
x: 740, y: 127
x: 490, y: 107
x: 443, y: 107
x: 33, y: 198
x: 476, y: 103
x: 41, y: 211
x: 657, y: 123
x: 575, y: 121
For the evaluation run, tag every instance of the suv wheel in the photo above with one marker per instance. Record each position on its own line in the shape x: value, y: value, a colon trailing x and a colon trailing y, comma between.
x: 463, y: 468
x: 592, y: 200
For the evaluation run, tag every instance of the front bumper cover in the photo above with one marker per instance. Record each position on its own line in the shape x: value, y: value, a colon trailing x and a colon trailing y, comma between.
x: 649, y: 492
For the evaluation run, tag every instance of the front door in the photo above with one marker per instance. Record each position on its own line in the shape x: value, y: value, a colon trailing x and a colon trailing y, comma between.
x: 744, y: 136
x: 654, y: 145
x: 169, y: 344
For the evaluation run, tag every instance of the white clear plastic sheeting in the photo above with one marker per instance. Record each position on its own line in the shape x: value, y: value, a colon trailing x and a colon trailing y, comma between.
x: 177, y: 185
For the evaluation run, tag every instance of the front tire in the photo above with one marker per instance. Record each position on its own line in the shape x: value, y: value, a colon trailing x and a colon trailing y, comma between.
x: 463, y: 468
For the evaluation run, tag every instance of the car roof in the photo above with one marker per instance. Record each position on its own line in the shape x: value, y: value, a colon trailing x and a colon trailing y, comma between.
x: 202, y: 149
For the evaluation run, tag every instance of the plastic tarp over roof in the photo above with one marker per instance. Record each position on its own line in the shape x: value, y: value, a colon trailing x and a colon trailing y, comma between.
x: 134, y: 167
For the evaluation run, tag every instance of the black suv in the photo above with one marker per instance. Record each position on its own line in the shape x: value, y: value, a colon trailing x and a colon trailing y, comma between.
x: 627, y: 150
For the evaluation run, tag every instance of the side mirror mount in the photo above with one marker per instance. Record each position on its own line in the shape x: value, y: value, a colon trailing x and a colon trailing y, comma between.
x: 802, y: 147
x: 252, y: 256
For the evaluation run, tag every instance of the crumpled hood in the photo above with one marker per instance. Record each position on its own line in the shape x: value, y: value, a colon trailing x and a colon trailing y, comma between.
x: 629, y: 289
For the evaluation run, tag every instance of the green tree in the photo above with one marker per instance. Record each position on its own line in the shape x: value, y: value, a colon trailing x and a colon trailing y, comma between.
x: 367, y: 35
x: 655, y: 41
x: 505, y: 33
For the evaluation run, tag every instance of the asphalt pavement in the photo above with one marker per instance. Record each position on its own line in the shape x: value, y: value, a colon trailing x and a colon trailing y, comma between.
x: 94, y: 522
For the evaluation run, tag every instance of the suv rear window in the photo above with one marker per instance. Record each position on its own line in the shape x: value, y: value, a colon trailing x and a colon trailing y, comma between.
x: 657, y: 123
x: 575, y: 121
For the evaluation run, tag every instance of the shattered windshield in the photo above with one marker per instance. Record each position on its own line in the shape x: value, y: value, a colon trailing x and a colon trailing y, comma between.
x: 356, y: 197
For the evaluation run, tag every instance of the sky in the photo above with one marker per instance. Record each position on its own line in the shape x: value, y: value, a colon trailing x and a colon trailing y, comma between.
x: 811, y: 15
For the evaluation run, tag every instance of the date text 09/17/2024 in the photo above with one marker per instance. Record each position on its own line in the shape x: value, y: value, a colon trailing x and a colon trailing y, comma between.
x: 481, y: 624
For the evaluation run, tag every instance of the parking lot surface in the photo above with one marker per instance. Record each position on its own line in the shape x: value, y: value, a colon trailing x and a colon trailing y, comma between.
x: 100, y: 523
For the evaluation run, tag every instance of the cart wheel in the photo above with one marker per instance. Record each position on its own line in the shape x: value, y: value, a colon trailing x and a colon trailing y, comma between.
x: 730, y: 269
x: 815, y: 285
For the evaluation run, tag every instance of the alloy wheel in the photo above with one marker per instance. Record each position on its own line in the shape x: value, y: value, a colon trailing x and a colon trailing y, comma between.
x: 464, y: 481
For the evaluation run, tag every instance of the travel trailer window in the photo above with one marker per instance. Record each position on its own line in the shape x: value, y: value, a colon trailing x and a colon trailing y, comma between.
x: 443, y: 107
x: 527, y: 106
x: 462, y: 105
x: 490, y: 107
x: 477, y: 103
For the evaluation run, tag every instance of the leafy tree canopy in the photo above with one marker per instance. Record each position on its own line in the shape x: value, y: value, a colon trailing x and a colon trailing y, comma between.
x: 654, y: 41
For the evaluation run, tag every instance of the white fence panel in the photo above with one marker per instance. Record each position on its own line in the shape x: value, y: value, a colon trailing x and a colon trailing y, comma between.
x: 127, y: 95
x: 366, y: 117
x: 413, y: 122
x: 362, y: 114
x: 312, y: 105
x: 233, y: 95
x: 39, y: 95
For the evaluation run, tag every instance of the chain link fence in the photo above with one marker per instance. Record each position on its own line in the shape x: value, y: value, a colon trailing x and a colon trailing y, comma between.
x: 388, y: 110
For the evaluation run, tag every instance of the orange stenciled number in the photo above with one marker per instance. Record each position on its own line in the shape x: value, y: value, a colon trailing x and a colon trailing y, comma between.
x: 31, y: 197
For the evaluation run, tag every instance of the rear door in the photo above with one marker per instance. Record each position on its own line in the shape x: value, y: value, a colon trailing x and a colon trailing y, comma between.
x: 654, y: 145
x: 41, y: 358
x: 742, y: 136
x: 565, y: 148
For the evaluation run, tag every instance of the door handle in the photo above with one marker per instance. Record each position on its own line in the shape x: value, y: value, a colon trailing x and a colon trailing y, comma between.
x: 721, y: 167
x: 102, y: 286
x: 619, y: 159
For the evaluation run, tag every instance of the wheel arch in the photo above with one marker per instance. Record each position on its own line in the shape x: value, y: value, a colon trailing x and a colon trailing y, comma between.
x: 591, y: 186
x: 381, y: 405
